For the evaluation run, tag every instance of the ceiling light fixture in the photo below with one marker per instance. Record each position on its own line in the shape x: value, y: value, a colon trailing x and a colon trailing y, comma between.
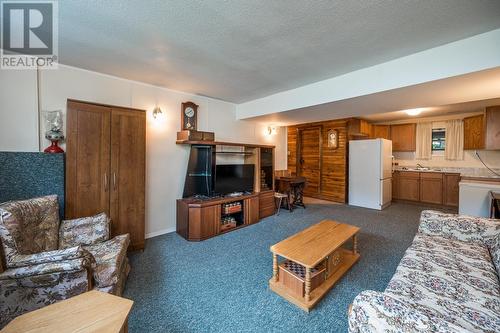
x: 413, y: 112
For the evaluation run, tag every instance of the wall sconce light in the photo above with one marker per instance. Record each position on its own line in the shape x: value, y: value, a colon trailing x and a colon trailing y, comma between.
x: 271, y: 130
x: 157, y: 112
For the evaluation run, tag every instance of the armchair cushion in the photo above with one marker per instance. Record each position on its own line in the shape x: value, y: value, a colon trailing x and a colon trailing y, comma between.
x: 459, y: 227
x: 29, y: 226
x: 84, y: 231
x: 20, y: 260
x: 33, y: 271
x: 110, y: 256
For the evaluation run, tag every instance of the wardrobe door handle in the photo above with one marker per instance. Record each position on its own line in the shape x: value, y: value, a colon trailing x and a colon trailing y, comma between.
x: 105, y: 182
x: 114, y: 181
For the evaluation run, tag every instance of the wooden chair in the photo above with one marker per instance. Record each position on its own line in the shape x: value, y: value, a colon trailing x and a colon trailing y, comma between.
x: 494, y: 205
x: 281, y: 197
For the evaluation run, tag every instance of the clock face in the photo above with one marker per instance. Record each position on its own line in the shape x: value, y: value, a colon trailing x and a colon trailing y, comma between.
x: 189, y: 112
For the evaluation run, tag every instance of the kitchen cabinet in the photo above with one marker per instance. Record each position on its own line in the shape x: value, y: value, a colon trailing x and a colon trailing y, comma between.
x: 474, y: 130
x: 381, y: 132
x: 436, y: 188
x: 483, y: 131
x: 403, y: 137
x: 409, y: 186
x: 359, y: 127
x: 431, y: 187
x: 451, y: 189
x: 395, y: 185
x: 493, y: 127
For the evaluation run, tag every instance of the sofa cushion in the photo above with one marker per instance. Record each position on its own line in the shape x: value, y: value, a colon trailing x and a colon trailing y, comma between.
x: 84, y: 231
x: 495, y: 253
x: 29, y: 226
x: 455, y: 279
x: 110, y: 257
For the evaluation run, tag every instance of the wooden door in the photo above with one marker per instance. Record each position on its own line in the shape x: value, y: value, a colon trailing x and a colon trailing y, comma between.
x: 474, y: 132
x: 431, y: 187
x: 451, y: 189
x: 87, y: 159
x: 409, y: 186
x: 309, y: 159
x: 403, y: 137
x: 127, y: 183
x: 251, y: 210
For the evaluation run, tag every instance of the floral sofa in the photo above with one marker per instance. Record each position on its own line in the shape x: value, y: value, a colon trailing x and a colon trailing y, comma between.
x: 44, y: 260
x: 447, y: 281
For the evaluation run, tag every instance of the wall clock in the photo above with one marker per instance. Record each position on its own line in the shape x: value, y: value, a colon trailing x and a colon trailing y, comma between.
x: 189, y: 116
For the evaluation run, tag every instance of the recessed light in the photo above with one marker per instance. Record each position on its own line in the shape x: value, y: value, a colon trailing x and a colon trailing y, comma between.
x: 413, y: 112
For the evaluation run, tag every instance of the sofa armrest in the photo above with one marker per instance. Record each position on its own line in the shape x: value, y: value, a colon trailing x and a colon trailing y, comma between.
x: 72, y: 265
x: 84, y: 231
x: 459, y: 227
x: 21, y: 260
x: 379, y: 312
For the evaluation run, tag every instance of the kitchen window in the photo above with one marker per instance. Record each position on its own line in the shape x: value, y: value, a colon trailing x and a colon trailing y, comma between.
x: 438, y: 139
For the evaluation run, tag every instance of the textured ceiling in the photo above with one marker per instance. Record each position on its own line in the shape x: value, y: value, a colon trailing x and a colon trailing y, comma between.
x: 241, y: 50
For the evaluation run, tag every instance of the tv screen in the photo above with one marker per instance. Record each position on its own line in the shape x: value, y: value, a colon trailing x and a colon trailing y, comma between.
x: 231, y: 178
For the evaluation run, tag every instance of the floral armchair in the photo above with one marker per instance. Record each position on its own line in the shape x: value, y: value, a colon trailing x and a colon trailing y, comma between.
x: 43, y: 260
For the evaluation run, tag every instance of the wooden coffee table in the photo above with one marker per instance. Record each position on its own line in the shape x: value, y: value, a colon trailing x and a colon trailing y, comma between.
x: 322, y: 259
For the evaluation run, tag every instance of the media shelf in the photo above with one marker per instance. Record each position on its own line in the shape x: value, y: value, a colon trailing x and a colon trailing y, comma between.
x: 201, y: 219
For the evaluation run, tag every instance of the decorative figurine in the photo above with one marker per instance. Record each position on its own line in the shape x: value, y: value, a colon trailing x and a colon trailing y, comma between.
x: 54, y: 123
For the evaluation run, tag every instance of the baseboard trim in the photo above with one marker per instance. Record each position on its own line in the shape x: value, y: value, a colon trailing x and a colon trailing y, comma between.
x: 160, y: 232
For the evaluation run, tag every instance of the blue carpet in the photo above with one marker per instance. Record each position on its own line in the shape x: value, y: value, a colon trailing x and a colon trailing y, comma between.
x: 221, y: 284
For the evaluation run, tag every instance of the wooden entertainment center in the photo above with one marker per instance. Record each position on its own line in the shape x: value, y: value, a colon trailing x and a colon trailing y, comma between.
x: 200, y: 218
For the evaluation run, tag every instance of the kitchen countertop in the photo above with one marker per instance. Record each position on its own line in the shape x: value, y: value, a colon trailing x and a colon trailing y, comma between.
x: 464, y: 172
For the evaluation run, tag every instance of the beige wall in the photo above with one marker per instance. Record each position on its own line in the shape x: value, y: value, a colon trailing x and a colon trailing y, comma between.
x: 166, y: 161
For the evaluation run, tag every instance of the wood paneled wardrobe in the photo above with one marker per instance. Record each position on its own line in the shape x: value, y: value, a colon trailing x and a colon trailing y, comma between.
x: 105, y: 166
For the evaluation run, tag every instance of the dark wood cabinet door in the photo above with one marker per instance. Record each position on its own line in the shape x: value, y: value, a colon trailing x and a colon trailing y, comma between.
x: 204, y: 222
x: 309, y: 159
x: 87, y: 159
x: 252, y: 210
x: 127, y: 178
x: 409, y: 186
x: 403, y: 137
x: 474, y: 132
x: 431, y: 188
x: 267, y: 206
x: 451, y: 189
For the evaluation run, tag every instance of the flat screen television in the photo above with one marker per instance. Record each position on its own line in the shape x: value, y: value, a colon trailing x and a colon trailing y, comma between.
x: 231, y: 178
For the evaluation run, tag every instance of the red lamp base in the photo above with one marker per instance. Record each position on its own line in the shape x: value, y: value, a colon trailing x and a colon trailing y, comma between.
x: 53, y: 149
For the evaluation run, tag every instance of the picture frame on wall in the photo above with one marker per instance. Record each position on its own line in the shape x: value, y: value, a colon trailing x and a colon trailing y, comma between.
x: 333, y: 138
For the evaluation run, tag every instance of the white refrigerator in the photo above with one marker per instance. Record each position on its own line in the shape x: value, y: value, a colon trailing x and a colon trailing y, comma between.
x: 370, y: 173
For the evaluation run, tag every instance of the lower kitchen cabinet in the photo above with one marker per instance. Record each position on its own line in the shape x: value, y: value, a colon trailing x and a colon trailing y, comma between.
x: 409, y: 186
x: 426, y: 187
x: 451, y: 189
x: 431, y: 187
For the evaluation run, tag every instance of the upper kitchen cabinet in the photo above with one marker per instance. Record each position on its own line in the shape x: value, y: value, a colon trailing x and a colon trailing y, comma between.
x: 359, y: 127
x: 381, y: 132
x: 403, y: 137
x: 493, y: 127
x: 483, y: 131
x: 474, y: 130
